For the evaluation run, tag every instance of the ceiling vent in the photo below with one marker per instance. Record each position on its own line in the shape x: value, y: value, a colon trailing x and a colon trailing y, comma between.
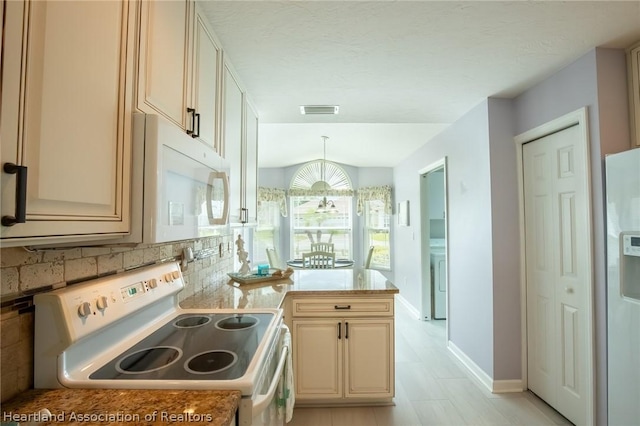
x: 319, y: 109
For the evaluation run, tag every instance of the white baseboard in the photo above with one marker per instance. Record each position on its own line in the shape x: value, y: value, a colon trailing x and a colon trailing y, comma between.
x: 412, y: 310
x: 507, y: 386
x: 494, y: 386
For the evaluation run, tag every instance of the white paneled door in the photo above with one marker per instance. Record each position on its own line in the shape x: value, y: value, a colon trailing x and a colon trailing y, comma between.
x: 557, y: 228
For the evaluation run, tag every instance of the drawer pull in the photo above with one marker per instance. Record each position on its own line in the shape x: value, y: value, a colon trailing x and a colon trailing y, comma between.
x: 342, y: 307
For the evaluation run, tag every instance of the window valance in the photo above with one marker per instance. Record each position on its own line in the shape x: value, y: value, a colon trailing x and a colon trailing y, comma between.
x: 300, y: 192
x: 276, y: 195
x: 371, y: 193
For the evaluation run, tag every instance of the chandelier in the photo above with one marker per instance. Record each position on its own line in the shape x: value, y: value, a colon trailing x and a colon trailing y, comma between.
x: 325, y: 205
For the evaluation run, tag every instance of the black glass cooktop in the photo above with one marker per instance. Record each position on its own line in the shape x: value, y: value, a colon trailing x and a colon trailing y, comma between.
x: 192, y: 347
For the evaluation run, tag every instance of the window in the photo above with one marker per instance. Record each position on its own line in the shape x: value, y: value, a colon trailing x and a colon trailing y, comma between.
x: 377, y: 226
x: 267, y: 233
x: 309, y: 226
x: 321, y: 209
x: 272, y: 204
x: 375, y: 204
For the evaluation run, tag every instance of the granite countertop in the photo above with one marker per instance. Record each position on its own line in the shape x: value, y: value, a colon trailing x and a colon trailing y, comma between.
x: 123, y: 406
x: 271, y: 294
x: 195, y: 407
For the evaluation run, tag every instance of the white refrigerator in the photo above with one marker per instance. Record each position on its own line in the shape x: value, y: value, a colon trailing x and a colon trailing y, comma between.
x: 623, y: 287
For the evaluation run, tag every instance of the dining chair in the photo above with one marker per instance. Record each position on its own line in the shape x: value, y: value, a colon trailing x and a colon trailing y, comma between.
x: 322, y: 247
x: 274, y: 259
x: 367, y: 262
x: 319, y: 260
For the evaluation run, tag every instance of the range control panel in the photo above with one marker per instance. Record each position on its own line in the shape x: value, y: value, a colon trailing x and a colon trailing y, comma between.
x: 87, y: 307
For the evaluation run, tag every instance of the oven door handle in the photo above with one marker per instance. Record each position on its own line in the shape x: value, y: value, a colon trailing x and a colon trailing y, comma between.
x: 263, y: 401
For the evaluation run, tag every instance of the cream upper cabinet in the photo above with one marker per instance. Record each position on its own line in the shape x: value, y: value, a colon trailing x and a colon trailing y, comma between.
x: 634, y: 93
x: 163, y: 59
x: 233, y: 136
x: 205, y: 87
x: 250, y: 159
x: 66, y: 116
x: 343, y: 350
x: 179, y: 67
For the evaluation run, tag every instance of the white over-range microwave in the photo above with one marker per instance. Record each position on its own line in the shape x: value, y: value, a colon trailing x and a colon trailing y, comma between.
x: 180, y: 185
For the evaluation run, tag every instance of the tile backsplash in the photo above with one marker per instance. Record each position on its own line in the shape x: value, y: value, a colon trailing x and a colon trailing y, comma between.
x: 24, y: 272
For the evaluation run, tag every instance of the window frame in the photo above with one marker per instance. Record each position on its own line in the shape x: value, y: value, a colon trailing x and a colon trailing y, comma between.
x: 370, y: 230
x: 341, y: 253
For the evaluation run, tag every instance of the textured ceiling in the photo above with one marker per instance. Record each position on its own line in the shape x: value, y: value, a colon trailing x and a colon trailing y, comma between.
x: 419, y: 62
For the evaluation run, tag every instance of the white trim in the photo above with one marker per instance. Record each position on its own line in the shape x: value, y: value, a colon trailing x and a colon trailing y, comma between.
x: 579, y: 118
x: 507, y: 386
x: 412, y: 309
x: 478, y: 372
x: 494, y: 386
x: 424, y: 238
x: 433, y: 166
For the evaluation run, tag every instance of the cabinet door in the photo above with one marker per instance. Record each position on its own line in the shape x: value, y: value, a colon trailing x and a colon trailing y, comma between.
x: 163, y: 59
x: 250, y: 157
x: 233, y: 119
x: 317, y: 358
x: 68, y: 117
x: 369, y: 355
x: 206, y: 63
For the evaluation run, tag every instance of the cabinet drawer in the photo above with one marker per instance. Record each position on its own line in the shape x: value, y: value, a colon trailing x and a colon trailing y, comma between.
x: 342, y: 306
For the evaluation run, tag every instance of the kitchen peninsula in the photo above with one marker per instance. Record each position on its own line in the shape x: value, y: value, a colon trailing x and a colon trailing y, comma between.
x: 342, y: 324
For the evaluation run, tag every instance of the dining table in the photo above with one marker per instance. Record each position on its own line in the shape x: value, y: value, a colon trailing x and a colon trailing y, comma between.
x: 339, y: 263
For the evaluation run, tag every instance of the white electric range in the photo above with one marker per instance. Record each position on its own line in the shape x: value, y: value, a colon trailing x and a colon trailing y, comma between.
x: 128, y: 331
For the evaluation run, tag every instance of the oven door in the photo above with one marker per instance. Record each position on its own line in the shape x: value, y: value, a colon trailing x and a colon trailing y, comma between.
x: 268, y: 406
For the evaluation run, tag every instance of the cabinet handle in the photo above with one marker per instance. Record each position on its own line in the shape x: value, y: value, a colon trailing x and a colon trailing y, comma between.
x: 342, y: 307
x: 346, y: 330
x: 21, y: 194
x: 192, y: 111
x: 339, y: 331
x: 196, y: 134
x: 244, y: 215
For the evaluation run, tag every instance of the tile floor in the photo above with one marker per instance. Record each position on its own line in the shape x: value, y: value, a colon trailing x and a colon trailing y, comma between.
x: 433, y: 388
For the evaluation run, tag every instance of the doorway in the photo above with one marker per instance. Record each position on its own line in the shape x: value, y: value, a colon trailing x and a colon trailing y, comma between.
x: 433, y: 208
x: 556, y: 250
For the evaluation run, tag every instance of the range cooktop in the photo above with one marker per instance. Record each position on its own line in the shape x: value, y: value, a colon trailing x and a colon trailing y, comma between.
x: 192, y: 347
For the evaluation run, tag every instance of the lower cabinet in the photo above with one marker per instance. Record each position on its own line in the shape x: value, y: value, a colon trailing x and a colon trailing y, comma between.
x: 343, y: 350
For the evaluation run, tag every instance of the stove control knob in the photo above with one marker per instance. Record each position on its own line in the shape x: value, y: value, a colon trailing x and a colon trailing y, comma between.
x: 168, y: 278
x: 102, y: 303
x: 84, y: 310
x: 153, y: 283
x: 176, y: 274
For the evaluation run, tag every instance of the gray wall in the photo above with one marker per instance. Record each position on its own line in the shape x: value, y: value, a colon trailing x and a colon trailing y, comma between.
x: 505, y: 242
x: 483, y: 211
x: 598, y: 81
x: 466, y: 146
